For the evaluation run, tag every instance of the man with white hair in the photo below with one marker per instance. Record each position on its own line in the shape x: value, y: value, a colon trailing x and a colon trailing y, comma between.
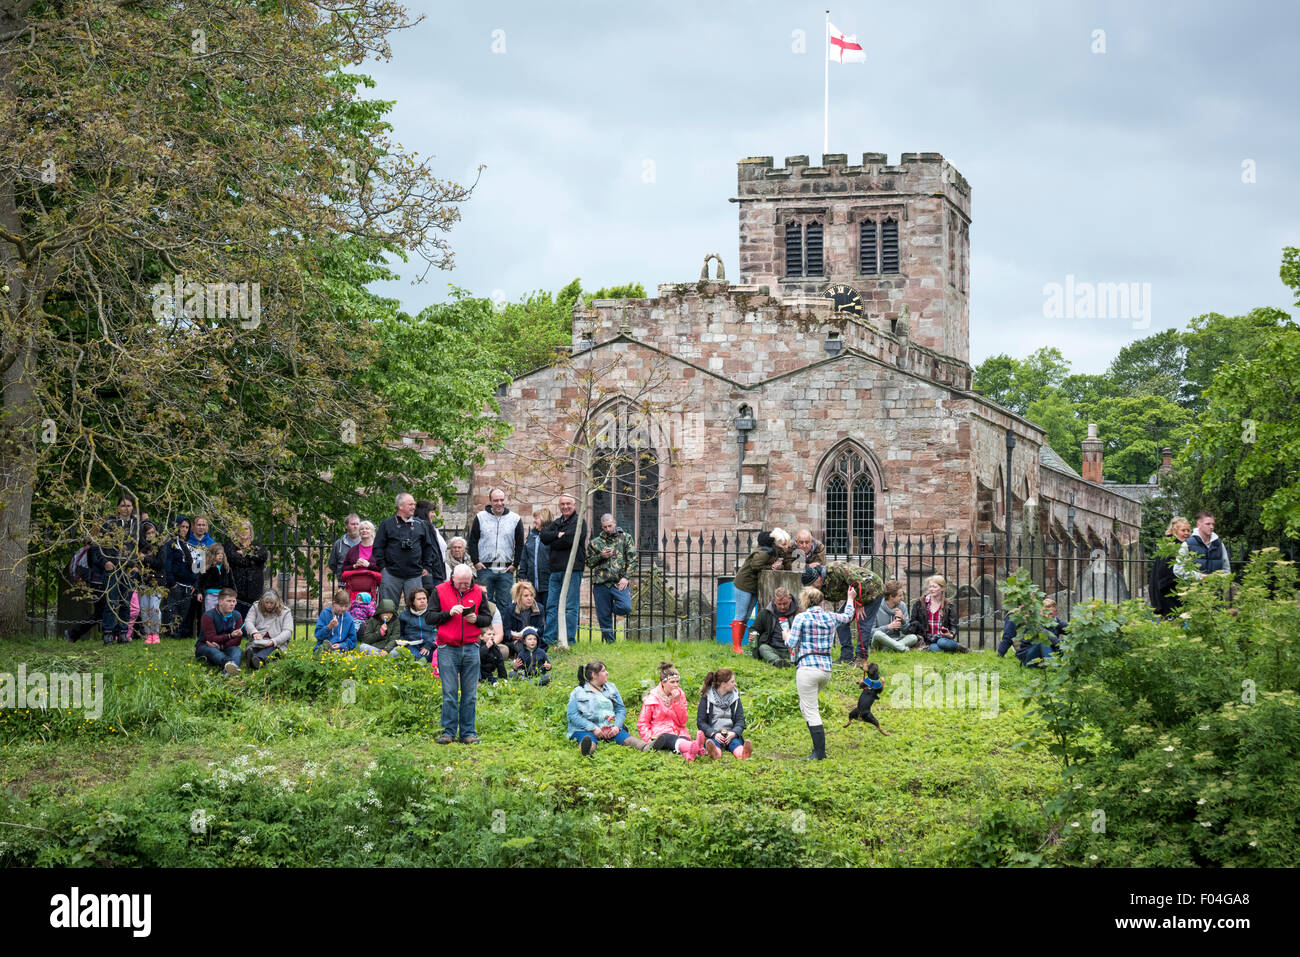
x: 457, y: 554
x: 459, y: 611
x: 402, y: 553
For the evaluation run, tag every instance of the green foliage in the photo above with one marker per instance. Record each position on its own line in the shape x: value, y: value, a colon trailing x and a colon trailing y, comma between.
x: 330, y: 761
x: 522, y: 336
x: 1151, y: 366
x: 1018, y: 384
x: 1249, y: 437
x: 1157, y: 392
x: 1217, y: 343
x: 1065, y: 430
x: 1180, y: 739
x: 1156, y: 514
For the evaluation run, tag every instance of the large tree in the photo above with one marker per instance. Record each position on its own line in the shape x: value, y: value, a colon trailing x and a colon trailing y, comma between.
x: 1244, y: 461
x: 215, y: 150
x: 1019, y: 383
x: 524, y: 334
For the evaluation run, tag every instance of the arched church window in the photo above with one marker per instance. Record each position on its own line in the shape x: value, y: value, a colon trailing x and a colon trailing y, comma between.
x: 850, y: 505
x: 627, y: 486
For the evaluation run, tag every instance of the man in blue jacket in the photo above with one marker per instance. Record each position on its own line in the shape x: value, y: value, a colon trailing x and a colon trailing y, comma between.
x: 1207, y: 552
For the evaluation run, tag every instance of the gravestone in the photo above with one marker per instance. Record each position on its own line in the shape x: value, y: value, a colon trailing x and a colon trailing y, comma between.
x: 1100, y: 580
x: 769, y: 581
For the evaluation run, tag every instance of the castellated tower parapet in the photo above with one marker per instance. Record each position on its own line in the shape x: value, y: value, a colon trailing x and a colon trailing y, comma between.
x: 897, y: 234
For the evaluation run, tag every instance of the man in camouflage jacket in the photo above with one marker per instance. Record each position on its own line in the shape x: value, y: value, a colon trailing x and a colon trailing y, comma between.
x: 611, y: 558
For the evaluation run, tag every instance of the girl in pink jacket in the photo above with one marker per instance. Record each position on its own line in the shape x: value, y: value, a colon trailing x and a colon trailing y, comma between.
x: 662, y: 720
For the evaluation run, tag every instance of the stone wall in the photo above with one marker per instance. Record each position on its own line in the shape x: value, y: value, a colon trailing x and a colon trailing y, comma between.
x: 923, y: 193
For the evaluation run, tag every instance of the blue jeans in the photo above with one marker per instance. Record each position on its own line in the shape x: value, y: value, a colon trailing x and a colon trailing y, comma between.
x: 117, y: 604
x: 744, y: 605
x: 618, y: 738
x: 458, y: 671
x: 610, y: 601
x: 864, y: 627
x: 496, y: 585
x: 552, y: 633
x: 943, y: 644
x: 216, y: 657
x: 1036, y: 650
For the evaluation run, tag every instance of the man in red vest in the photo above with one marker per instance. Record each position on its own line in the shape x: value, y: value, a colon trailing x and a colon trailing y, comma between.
x: 458, y: 612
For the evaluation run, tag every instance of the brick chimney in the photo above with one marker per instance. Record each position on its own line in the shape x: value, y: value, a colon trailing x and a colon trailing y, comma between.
x: 1091, y: 448
x: 1166, y: 461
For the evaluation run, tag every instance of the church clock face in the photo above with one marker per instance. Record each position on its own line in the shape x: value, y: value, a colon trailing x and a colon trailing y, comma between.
x: 844, y: 299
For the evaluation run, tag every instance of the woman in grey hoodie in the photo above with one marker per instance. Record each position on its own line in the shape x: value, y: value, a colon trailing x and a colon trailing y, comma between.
x: 721, y: 718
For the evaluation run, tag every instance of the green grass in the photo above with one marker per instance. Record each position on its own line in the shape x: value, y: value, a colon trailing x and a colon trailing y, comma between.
x: 284, y: 770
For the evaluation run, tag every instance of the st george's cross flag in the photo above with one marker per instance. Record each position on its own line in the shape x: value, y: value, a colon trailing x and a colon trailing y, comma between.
x: 842, y: 49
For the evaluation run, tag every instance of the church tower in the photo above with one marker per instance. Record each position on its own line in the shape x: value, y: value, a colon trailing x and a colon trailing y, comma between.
x: 895, y: 235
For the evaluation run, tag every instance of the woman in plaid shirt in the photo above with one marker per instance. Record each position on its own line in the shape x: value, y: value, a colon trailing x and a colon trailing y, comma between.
x: 811, y: 638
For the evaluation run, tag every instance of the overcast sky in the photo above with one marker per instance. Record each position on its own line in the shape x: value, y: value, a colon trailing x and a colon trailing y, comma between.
x: 1122, y: 166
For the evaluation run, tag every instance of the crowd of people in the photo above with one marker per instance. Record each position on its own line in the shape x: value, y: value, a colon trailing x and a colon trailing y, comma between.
x: 474, y: 608
x: 485, y: 607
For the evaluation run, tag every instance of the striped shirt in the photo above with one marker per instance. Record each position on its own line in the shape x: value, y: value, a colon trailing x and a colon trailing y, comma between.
x: 812, y: 636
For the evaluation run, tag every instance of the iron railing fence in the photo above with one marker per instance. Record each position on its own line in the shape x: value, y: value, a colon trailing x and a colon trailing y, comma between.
x: 677, y: 586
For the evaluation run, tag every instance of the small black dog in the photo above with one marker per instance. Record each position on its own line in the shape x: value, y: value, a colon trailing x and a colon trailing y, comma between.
x: 871, y: 686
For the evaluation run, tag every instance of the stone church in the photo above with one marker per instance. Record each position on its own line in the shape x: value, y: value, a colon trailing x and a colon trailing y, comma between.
x: 830, y: 387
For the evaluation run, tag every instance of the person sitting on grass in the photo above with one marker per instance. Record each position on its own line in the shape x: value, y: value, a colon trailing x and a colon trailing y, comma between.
x: 381, y: 632
x: 269, y: 627
x: 531, y: 661
x: 662, y: 720
x: 418, y: 630
x: 362, y: 608
x: 493, y: 652
x: 1028, y: 650
x: 335, y: 629
x: 892, y: 624
x: 934, y: 618
x: 596, y: 711
x: 767, y: 637
x: 220, y: 634
x: 721, y: 718
x: 525, y: 612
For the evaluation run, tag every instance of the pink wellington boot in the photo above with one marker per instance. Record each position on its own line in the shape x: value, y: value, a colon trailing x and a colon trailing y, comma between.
x: 699, y: 739
x: 690, y: 750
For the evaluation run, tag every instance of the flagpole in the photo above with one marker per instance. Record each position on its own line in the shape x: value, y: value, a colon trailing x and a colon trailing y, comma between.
x: 826, y: 63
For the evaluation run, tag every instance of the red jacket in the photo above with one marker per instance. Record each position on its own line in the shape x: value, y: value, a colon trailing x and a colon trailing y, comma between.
x: 455, y: 630
x: 658, y: 717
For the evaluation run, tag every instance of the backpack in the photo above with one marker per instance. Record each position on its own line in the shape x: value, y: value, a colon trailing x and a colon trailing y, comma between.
x: 79, y: 567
